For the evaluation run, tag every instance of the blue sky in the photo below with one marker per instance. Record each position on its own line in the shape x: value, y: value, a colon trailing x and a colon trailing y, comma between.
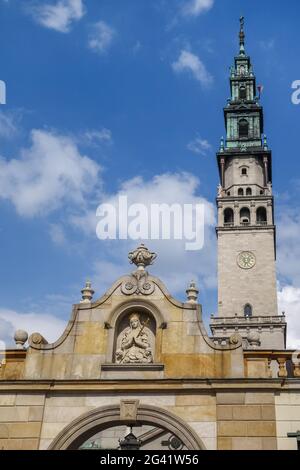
x: 126, y: 95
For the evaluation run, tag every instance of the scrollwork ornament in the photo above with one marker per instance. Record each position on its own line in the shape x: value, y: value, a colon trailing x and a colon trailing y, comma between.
x: 234, y: 339
x: 139, y: 285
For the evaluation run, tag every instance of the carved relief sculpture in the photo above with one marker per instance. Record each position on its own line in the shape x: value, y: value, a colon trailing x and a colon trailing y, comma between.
x: 135, y: 344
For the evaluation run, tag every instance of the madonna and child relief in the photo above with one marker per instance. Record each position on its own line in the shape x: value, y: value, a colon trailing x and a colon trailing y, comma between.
x: 135, y: 341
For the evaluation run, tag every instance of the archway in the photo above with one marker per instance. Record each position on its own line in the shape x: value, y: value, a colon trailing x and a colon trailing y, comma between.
x: 261, y: 216
x: 86, y: 425
x: 245, y: 216
x: 243, y: 128
x: 228, y: 216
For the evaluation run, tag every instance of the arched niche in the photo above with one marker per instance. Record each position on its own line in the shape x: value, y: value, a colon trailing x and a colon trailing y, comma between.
x: 135, y: 334
x: 120, y: 315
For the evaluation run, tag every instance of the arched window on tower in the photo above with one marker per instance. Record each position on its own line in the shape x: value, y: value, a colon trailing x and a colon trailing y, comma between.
x: 228, y: 216
x: 240, y: 192
x: 261, y: 216
x: 244, y: 171
x: 242, y: 92
x: 243, y: 128
x: 245, y: 216
x: 248, y: 192
x: 248, y: 310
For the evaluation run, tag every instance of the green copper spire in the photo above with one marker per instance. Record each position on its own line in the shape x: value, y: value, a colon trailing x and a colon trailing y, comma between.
x: 243, y: 113
x: 242, y: 36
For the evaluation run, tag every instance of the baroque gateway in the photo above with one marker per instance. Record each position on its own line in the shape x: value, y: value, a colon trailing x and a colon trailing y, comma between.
x: 137, y: 369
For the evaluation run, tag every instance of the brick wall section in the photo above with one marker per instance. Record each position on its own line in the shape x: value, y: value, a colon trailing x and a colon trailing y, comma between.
x: 246, y: 421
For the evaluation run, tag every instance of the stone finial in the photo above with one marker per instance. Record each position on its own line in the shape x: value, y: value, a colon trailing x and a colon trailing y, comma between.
x: 87, y: 292
x: 192, y: 293
x: 20, y: 338
x: 141, y: 256
x: 253, y: 339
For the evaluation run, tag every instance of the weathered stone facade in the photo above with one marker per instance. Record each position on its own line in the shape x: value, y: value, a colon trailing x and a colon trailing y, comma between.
x: 138, y: 358
x: 209, y: 396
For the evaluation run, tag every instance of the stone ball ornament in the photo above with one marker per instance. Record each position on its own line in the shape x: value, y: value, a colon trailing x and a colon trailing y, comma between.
x: 253, y: 338
x: 20, y: 337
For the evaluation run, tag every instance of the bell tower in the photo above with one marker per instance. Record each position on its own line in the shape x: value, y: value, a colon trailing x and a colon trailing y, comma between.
x: 246, y: 232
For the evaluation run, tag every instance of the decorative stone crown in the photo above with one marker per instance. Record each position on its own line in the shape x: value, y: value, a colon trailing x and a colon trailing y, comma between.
x: 142, y: 257
x: 137, y: 282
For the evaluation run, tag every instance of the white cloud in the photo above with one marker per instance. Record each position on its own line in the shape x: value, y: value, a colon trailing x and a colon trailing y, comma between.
x: 8, y: 126
x: 199, y: 146
x: 105, y: 272
x: 289, y: 302
x: 288, y: 254
x: 101, y: 37
x: 95, y: 136
x: 188, y: 62
x: 58, y: 16
x: 196, y: 7
x: 288, y: 247
x: 57, y: 234
x: 181, y: 188
x: 50, y: 326
x: 50, y: 172
x: 267, y: 45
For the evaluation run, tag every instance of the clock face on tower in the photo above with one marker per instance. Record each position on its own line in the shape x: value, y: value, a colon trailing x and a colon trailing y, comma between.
x: 246, y: 260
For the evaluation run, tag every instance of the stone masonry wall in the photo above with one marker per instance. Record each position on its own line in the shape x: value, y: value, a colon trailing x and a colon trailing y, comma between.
x: 287, y: 419
x: 246, y: 421
x: 237, y: 286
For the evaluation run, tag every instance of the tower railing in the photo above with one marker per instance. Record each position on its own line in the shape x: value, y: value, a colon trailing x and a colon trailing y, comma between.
x: 249, y: 319
x: 277, y: 364
x: 261, y: 222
